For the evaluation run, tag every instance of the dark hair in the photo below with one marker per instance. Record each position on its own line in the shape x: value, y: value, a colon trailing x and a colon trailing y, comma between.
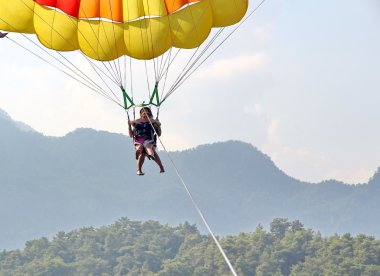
x: 147, y: 111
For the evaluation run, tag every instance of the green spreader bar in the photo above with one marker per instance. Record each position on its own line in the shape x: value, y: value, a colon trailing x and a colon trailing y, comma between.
x: 154, y: 99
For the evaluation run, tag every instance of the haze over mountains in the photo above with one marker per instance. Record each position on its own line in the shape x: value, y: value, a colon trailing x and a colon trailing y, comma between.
x: 87, y: 178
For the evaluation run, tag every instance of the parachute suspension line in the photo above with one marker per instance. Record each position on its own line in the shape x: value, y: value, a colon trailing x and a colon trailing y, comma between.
x: 216, y: 48
x: 144, y: 49
x: 116, y: 64
x: 186, y: 65
x: 187, y: 74
x: 163, y: 63
x: 147, y: 77
x: 80, y: 73
x: 191, y: 58
x: 190, y: 62
x: 128, y: 115
x: 170, y: 62
x: 163, y: 71
x: 71, y: 76
x: 87, y: 82
x: 151, y: 44
x: 154, y: 97
x: 93, y: 66
x: 156, y: 60
x: 125, y: 70
x: 49, y: 25
x: 127, y: 98
x: 182, y: 78
x: 200, y: 213
x: 190, y: 65
x: 130, y: 67
x: 111, y: 63
x: 112, y: 74
x: 101, y: 91
x: 196, y: 24
x: 185, y: 69
x: 131, y: 80
x: 165, y: 79
x: 134, y: 108
x: 115, y: 40
x: 167, y: 54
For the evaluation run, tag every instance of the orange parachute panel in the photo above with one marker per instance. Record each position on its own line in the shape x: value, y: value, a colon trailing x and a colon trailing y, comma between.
x: 89, y: 9
x: 174, y: 5
x: 110, y: 9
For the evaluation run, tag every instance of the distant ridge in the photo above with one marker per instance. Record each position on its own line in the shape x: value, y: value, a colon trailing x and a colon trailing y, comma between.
x: 20, y: 125
x: 87, y: 178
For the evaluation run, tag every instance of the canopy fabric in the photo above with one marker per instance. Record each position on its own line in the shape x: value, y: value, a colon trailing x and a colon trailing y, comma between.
x: 107, y: 29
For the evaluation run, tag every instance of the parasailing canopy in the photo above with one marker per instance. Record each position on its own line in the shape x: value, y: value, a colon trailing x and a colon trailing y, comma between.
x: 110, y: 31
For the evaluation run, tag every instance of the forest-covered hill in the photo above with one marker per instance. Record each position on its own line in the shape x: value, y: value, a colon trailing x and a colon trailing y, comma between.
x: 87, y: 178
x: 133, y: 248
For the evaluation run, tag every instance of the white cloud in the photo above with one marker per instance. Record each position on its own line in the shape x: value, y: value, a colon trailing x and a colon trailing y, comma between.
x: 263, y: 33
x: 351, y: 176
x: 237, y: 66
x: 307, y: 165
x: 273, y: 131
x: 255, y: 109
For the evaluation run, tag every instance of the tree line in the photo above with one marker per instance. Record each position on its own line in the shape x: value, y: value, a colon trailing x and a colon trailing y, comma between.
x: 152, y: 249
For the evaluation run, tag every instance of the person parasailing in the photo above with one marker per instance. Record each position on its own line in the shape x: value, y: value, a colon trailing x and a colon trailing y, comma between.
x: 143, y: 131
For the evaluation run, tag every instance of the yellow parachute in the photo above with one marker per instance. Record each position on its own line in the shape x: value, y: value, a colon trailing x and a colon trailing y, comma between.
x: 106, y: 30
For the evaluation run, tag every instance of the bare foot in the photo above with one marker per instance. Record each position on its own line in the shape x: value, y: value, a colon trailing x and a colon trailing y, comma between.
x: 139, y: 172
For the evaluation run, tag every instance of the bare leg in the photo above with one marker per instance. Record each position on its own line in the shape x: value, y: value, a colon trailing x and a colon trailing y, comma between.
x: 158, y: 161
x: 150, y: 150
x: 140, y: 152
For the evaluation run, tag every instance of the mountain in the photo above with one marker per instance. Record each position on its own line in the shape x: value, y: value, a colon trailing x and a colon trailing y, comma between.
x: 20, y: 125
x: 88, y: 178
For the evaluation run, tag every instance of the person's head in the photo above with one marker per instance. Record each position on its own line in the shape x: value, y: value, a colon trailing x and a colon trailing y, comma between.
x: 145, y: 112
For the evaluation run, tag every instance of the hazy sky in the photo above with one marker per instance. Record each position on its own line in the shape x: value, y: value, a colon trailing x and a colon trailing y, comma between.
x: 299, y: 80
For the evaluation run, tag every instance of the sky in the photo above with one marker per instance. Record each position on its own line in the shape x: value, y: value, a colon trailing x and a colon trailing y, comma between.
x: 299, y: 80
